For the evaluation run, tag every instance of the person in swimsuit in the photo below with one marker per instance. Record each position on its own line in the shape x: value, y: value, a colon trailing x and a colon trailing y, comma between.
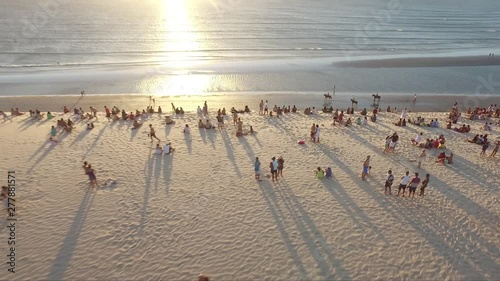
x: 152, y: 133
x: 413, y: 185
x: 256, y: 168
x: 366, y: 168
x: 281, y: 163
x: 425, y: 182
x: 274, y: 169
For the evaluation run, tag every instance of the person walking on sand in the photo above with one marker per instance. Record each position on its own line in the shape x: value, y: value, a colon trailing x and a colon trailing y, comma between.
x: 414, y: 182
x: 366, y: 167
x: 403, y: 183
x: 425, y: 182
x: 388, y: 182
x: 495, y: 150
x: 152, y: 133
x: 235, y: 118
x: 421, y: 158
x: 256, y: 168
x: 281, y: 163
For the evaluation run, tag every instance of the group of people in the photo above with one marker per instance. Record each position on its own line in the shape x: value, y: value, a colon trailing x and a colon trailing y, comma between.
x: 406, y: 181
x: 276, y: 166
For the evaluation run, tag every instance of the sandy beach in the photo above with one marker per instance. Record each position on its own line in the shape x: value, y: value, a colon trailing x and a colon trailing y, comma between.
x: 200, y: 210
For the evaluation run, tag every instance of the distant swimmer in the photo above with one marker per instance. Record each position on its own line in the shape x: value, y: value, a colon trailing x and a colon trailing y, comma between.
x: 415, y: 98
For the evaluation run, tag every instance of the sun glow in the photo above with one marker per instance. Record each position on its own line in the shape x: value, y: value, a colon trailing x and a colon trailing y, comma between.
x: 180, y: 43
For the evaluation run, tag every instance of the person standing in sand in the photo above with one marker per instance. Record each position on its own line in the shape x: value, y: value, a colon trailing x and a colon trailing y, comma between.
x: 266, y: 108
x: 425, y: 182
x: 403, y: 183
x: 366, y: 167
x: 388, y: 182
x: 313, y: 132
x: 421, y: 158
x: 256, y: 168
x: 152, y: 133
x: 261, y: 107
x: 281, y: 163
x: 495, y: 150
x: 484, y: 148
x: 316, y: 134
x: 274, y: 169
x: 92, y: 177
x: 413, y: 185
x: 240, y: 128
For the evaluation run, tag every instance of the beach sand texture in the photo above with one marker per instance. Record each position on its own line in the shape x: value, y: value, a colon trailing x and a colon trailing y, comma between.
x: 200, y: 210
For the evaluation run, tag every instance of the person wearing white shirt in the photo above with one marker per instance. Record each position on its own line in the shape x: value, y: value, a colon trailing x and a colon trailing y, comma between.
x: 168, y: 148
x: 403, y: 114
x: 198, y: 110
x: 403, y: 183
x: 417, y: 139
x: 187, y: 130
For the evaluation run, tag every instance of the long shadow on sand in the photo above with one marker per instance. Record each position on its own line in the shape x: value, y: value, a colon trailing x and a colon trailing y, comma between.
x: 460, y: 200
x: 152, y: 167
x: 65, y: 254
x: 329, y: 266
x: 230, y: 151
x: 422, y: 221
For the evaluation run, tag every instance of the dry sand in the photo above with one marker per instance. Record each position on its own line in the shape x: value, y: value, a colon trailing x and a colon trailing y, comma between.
x: 201, y: 210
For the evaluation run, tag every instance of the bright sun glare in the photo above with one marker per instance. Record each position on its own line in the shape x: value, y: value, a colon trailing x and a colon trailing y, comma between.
x: 180, y: 43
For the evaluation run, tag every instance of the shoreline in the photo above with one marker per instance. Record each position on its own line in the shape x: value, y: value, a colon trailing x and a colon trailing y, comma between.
x: 424, y: 103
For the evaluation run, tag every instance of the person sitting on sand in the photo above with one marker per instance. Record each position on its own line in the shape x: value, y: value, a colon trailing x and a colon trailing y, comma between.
x: 68, y: 128
x: 136, y: 125
x: 53, y: 133
x: 90, y: 126
x: 363, y: 112
x: 358, y: 120
x: 144, y: 115
x: 208, y: 125
x: 448, y: 126
x: 247, y: 110
x: 417, y: 139
x: 348, y: 123
x: 373, y: 118
x: 200, y: 124
x: 389, y: 109
x: 399, y: 123
x: 186, y: 130
x: 307, y: 111
x: 441, y: 157
x: 131, y: 116
x: 294, y: 109
x: 223, y: 112
x: 320, y: 173
x: 328, y: 172
x: 168, y: 120
x: 158, y: 149
x: 167, y: 149
x: 124, y: 115
x: 159, y: 110
x: 365, y: 121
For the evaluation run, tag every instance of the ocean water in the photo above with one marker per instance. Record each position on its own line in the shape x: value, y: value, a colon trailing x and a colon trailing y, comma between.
x: 171, y: 47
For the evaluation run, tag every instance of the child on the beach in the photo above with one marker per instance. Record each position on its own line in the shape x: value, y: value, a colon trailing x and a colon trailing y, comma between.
x: 388, y: 182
